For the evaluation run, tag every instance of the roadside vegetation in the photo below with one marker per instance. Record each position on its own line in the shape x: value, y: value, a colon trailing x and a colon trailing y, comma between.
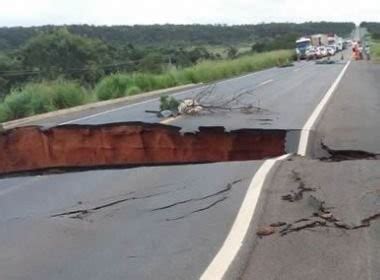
x: 375, y: 50
x: 46, y: 96
x: 48, y: 68
x: 373, y: 36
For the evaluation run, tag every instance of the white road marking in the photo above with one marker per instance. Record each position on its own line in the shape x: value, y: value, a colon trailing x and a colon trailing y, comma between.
x: 247, y: 75
x: 156, y: 99
x: 231, y: 246
x: 296, y: 70
x: 266, y: 82
x: 124, y: 107
x: 305, y: 133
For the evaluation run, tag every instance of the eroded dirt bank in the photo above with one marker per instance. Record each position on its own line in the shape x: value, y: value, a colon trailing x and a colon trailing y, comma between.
x: 76, y: 146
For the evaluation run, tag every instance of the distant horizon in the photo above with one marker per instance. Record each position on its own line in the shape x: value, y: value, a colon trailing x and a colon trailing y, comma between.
x: 177, y: 24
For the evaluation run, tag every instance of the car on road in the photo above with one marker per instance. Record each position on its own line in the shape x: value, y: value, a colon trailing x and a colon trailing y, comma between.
x: 311, y: 53
x: 321, y: 52
x: 331, y: 50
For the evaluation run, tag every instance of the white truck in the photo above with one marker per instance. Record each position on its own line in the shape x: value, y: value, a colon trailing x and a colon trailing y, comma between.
x: 303, y: 47
x: 318, y: 45
x: 318, y: 40
x: 335, y: 41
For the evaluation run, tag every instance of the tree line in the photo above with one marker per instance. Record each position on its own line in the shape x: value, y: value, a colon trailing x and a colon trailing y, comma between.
x: 178, y: 35
x: 86, y: 54
x: 373, y: 28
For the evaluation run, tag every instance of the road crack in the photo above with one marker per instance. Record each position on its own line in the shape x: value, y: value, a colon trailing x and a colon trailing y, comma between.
x: 224, y: 190
x: 342, y: 155
x: 301, y: 189
x: 321, y: 218
x: 199, y: 210
x: 81, y: 213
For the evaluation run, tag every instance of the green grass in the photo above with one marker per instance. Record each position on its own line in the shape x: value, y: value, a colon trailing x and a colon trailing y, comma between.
x: 375, y: 50
x: 37, y: 98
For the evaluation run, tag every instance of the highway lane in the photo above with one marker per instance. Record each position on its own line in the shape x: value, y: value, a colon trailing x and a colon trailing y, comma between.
x: 350, y: 190
x: 170, y: 226
x: 276, y: 79
x: 348, y: 187
x: 350, y: 121
x: 136, y: 111
x: 127, y: 238
x: 286, y: 102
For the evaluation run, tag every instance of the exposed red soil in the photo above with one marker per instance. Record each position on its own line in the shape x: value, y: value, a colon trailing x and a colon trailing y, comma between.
x: 32, y: 148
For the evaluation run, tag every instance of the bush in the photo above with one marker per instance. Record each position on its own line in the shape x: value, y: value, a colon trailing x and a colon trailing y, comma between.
x: 4, y: 113
x: 133, y: 90
x: 375, y: 50
x: 144, y: 81
x: 68, y: 94
x: 18, y: 105
x: 37, y: 98
x: 113, y: 86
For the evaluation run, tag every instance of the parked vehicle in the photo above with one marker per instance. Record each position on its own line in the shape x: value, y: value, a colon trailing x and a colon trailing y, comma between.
x: 331, y: 50
x: 311, y: 53
x: 318, y: 46
x: 322, y: 51
x: 303, y: 45
x: 319, y: 40
x: 337, y: 42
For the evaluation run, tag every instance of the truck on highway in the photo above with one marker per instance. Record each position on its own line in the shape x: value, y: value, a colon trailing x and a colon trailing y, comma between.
x: 303, y: 46
x: 318, y: 45
x: 335, y: 41
x: 319, y: 40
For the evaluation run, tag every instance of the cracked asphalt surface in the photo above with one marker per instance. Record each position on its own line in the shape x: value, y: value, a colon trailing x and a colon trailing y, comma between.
x: 149, y: 223
x: 348, y: 248
x: 169, y: 222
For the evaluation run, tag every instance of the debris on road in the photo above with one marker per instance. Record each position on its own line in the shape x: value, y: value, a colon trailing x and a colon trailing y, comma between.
x: 265, y: 231
x: 189, y: 107
x: 205, y: 102
x: 325, y: 62
x: 168, y: 103
x: 301, y: 189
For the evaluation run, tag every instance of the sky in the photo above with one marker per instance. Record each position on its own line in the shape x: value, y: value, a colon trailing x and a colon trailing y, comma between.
x: 130, y: 12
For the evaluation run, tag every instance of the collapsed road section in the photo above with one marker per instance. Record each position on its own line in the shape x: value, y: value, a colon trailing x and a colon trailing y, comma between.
x: 73, y: 147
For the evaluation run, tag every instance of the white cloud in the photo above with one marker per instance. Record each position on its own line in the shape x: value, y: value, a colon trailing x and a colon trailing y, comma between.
x: 109, y: 12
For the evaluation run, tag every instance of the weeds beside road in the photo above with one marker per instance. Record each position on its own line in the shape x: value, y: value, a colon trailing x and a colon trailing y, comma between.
x: 37, y: 98
x: 375, y: 50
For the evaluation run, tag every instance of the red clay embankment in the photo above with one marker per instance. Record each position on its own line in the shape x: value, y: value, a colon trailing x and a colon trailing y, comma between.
x: 130, y: 144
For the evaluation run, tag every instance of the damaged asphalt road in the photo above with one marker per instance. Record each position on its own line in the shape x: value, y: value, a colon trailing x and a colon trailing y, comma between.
x: 319, y: 214
x: 331, y: 233
x: 333, y: 230
x: 149, y: 223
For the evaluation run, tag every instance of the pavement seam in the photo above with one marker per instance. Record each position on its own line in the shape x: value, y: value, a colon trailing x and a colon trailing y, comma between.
x: 307, y: 128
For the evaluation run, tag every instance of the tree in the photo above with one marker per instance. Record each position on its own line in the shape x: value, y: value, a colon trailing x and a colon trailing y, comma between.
x: 10, y: 68
x: 152, y: 63
x: 232, y: 52
x: 61, y: 53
